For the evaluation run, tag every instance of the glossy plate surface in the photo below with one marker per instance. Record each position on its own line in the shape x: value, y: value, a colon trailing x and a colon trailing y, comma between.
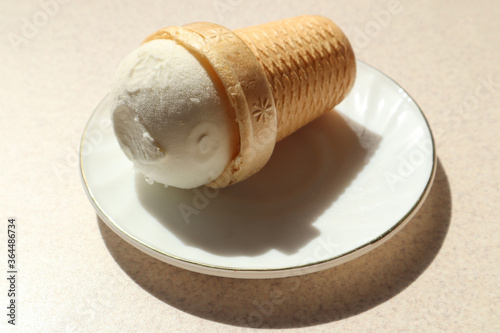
x: 331, y: 192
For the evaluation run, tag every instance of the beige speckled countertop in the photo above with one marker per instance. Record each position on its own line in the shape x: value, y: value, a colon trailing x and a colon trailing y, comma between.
x: 441, y: 273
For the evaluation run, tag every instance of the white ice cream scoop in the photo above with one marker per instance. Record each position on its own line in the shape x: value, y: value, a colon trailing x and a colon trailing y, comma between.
x: 170, y: 116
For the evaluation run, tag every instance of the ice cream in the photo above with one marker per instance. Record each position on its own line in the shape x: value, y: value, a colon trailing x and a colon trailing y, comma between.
x: 171, y: 116
x: 203, y: 105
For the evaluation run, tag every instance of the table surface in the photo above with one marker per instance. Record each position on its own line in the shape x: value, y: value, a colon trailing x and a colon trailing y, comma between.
x: 439, y: 273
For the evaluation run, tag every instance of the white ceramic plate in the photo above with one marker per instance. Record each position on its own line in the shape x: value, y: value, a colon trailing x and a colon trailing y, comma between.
x: 331, y: 192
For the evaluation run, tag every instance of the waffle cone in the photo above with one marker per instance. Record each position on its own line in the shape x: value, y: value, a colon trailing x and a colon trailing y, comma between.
x: 278, y: 77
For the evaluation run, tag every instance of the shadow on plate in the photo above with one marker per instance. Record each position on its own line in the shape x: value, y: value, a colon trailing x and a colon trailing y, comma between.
x: 276, y: 208
x: 308, y: 300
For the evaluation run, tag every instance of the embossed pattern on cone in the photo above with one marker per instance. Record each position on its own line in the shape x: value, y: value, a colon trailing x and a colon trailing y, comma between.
x: 309, y: 64
x: 278, y: 77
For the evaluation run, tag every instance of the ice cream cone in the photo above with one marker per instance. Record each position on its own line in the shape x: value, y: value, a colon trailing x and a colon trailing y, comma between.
x: 278, y: 77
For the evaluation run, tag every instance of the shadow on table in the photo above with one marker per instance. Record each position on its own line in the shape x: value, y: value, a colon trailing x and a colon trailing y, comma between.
x: 312, y: 299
